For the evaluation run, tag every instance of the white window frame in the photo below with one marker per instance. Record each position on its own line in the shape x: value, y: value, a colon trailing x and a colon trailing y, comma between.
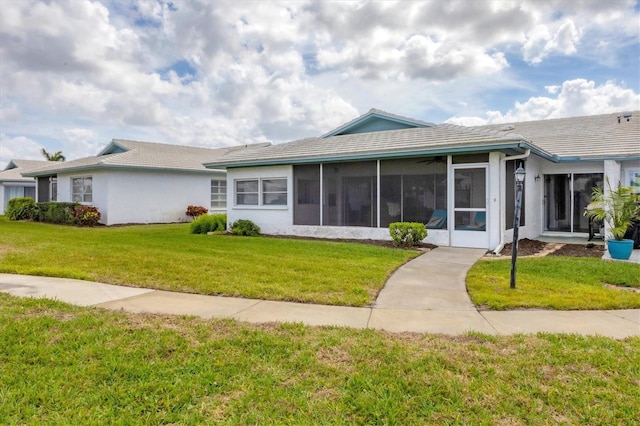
x: 53, y: 188
x: 264, y: 193
x: 261, y: 193
x: 218, y: 194
x: 256, y: 193
x: 84, y: 196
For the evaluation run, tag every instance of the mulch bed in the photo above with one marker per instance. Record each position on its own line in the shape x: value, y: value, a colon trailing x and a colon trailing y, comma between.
x: 527, y: 247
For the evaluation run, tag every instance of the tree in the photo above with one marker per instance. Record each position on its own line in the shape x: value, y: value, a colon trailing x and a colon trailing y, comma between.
x: 57, y: 156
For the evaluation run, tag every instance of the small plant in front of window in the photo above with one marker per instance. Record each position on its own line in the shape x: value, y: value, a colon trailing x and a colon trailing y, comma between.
x: 21, y: 208
x: 407, y: 234
x: 209, y: 223
x: 245, y: 227
x: 195, y: 211
x: 86, y: 215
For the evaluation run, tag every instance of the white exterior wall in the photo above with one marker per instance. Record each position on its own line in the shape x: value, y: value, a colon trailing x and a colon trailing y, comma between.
x: 153, y: 197
x: 275, y: 220
x: 533, y: 195
x: 124, y: 196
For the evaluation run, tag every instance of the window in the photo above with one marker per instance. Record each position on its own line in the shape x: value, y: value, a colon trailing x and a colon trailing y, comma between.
x: 274, y: 192
x: 350, y: 194
x: 414, y: 190
x: 218, y: 193
x: 265, y: 192
x: 306, y: 194
x: 53, y: 189
x: 566, y: 197
x: 247, y: 192
x: 82, y: 190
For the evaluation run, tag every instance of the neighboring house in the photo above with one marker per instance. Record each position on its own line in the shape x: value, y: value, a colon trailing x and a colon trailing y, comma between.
x: 381, y: 168
x: 13, y: 184
x: 138, y: 182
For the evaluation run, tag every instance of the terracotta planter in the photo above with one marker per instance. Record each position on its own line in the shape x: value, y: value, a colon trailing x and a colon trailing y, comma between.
x: 620, y: 249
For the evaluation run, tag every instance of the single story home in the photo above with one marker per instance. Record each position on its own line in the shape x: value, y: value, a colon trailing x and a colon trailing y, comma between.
x: 13, y: 184
x: 459, y: 181
x: 138, y: 182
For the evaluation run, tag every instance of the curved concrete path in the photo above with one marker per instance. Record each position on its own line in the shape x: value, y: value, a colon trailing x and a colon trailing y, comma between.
x: 427, y: 295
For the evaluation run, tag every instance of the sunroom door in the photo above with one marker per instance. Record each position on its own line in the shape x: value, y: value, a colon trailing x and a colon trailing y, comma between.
x: 469, y: 227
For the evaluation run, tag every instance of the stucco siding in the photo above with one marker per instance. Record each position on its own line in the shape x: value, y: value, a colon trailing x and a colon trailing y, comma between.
x: 152, y: 197
x: 271, y: 219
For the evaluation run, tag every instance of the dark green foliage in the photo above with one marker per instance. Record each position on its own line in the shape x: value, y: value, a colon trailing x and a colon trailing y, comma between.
x: 209, y: 223
x: 407, y: 233
x: 21, y: 208
x: 245, y: 227
x: 86, y: 215
x: 55, y: 212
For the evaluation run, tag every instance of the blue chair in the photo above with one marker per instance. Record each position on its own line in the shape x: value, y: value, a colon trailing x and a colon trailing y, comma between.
x: 438, y: 219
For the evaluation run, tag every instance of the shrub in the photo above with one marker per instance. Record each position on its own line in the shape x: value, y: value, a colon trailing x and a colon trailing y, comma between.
x: 86, y: 215
x: 54, y: 212
x: 209, y: 223
x: 407, y: 233
x: 245, y: 227
x: 21, y: 208
x: 195, y: 211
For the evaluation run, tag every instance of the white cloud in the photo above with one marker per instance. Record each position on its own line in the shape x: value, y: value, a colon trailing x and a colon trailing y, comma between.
x: 282, y: 70
x: 18, y: 148
x: 543, y: 41
x: 79, y: 143
x: 575, y: 97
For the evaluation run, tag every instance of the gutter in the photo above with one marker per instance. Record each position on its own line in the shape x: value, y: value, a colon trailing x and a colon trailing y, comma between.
x: 502, y: 218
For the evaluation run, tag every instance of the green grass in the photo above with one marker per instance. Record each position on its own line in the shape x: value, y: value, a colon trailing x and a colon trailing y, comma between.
x: 562, y: 283
x: 168, y: 257
x: 61, y: 364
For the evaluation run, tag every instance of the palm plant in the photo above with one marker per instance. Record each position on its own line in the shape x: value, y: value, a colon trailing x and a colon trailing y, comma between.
x: 57, y: 156
x: 619, y: 208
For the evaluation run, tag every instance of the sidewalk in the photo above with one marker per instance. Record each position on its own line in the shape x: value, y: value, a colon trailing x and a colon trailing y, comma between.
x: 427, y: 295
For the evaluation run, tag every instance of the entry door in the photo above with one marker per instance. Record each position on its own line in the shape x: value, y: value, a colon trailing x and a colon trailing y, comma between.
x: 470, y: 206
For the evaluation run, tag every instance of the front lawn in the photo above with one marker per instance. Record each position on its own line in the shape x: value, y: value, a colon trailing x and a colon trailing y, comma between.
x: 168, y: 257
x: 563, y: 283
x: 61, y: 364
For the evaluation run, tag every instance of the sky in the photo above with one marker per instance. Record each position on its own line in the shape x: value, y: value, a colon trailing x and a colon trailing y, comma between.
x: 76, y: 74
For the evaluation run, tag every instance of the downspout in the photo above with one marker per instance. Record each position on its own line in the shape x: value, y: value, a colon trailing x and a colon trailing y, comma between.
x: 502, y: 218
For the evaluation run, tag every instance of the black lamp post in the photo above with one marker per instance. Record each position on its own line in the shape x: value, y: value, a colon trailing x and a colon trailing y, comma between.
x: 519, y: 174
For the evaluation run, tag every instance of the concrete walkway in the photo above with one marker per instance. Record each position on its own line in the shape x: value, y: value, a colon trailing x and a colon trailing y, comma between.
x: 427, y: 295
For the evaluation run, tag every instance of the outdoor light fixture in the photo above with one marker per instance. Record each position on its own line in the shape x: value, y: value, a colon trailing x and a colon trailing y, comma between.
x: 519, y: 175
x: 537, y: 178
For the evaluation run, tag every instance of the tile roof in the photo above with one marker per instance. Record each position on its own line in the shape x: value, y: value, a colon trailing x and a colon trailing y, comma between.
x: 128, y: 154
x: 593, y: 136
x: 15, y: 168
x: 564, y: 139
x: 436, y: 139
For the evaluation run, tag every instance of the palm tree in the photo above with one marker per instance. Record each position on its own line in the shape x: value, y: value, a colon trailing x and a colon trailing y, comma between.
x: 57, y: 156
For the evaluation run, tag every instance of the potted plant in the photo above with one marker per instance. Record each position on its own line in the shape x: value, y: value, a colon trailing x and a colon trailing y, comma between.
x: 619, y: 209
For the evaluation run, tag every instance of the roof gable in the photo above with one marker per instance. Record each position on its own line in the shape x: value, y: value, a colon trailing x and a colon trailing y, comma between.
x: 375, y: 121
x: 113, y: 148
x: 13, y: 171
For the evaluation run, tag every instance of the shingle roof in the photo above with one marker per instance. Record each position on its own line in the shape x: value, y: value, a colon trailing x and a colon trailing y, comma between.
x: 143, y: 155
x: 436, y: 139
x: 593, y: 136
x: 15, y: 168
x: 564, y: 139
